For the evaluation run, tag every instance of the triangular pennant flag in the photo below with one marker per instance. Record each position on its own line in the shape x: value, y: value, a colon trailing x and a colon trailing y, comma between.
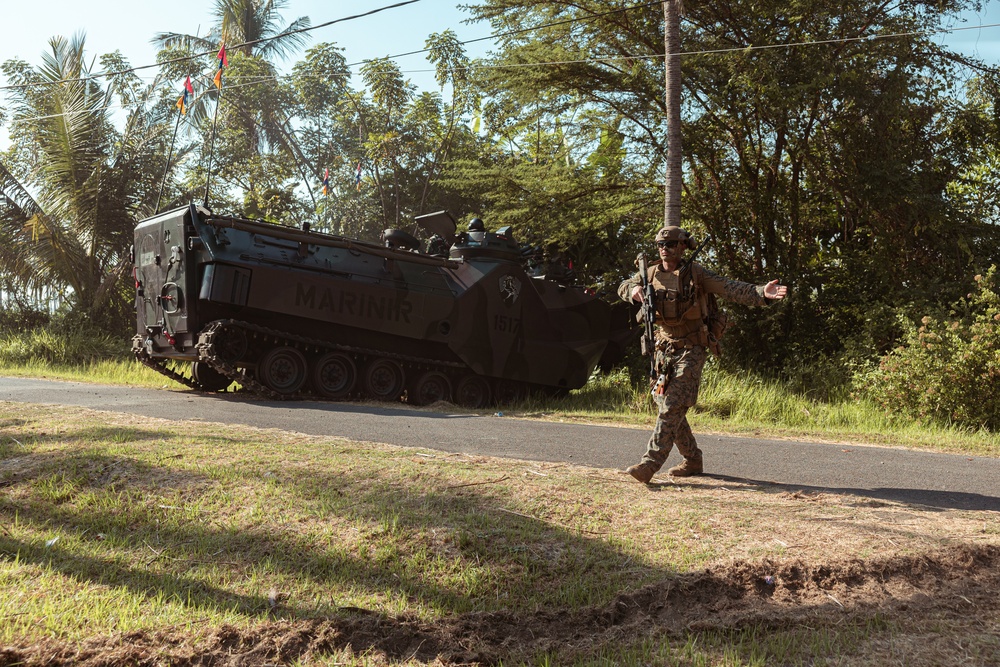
x: 223, y: 62
x: 182, y: 102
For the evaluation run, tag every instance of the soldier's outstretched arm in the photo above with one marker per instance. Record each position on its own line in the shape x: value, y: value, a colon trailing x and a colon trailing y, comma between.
x: 735, y: 291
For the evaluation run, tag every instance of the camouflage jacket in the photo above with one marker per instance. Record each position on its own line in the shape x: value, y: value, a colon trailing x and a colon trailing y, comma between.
x: 682, y: 312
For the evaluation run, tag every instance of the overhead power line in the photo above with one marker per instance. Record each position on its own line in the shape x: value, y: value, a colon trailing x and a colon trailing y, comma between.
x: 593, y: 59
x: 511, y: 33
x: 734, y: 49
x: 195, y: 56
x: 329, y: 23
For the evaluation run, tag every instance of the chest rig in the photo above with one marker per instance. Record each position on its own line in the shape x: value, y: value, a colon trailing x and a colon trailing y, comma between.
x: 680, y: 308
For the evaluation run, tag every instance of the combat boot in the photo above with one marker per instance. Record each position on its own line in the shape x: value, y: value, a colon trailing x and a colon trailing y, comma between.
x: 688, y: 467
x: 642, y: 471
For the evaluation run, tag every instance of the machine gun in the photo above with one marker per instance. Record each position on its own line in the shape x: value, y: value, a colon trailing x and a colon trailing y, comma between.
x: 648, y: 341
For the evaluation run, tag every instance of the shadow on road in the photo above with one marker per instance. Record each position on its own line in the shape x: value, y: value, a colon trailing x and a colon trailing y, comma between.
x: 943, y: 500
x: 382, y: 409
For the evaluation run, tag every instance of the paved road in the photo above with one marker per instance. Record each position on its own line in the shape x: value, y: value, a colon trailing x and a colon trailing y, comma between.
x: 945, y: 481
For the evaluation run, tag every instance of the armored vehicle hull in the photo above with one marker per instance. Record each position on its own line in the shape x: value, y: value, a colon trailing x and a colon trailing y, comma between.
x: 286, y: 312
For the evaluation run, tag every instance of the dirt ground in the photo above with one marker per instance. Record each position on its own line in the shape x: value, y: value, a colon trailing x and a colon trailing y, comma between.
x: 933, y: 589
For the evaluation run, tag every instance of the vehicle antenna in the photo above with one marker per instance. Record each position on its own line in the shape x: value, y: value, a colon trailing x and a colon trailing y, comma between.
x: 166, y: 167
x: 182, y: 105
x: 223, y: 61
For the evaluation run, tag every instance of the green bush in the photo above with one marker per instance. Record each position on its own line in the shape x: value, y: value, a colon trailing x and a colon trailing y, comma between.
x: 17, y: 319
x: 947, y: 368
x: 56, y: 345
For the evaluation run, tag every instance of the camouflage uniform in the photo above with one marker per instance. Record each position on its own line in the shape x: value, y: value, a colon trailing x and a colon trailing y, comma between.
x: 682, y: 341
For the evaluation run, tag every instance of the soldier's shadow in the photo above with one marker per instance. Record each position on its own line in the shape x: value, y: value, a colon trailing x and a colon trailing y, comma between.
x: 929, y: 498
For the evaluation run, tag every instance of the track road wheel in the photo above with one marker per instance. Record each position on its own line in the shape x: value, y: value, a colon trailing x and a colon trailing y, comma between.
x: 334, y: 375
x: 429, y: 388
x: 231, y: 343
x: 208, y: 378
x: 473, y: 392
x: 283, y: 369
x: 384, y: 380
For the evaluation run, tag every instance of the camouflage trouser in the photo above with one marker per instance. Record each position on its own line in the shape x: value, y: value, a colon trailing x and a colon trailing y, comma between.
x: 682, y: 369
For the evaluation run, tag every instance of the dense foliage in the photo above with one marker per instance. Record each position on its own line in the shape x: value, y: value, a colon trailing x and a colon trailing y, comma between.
x: 72, y: 185
x: 836, y: 146
x: 827, y: 166
x: 946, y: 367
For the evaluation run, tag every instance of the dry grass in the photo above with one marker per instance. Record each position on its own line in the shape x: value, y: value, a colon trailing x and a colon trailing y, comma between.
x: 112, y: 524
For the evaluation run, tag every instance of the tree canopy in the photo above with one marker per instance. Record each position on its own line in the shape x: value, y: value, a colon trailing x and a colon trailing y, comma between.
x: 73, y: 184
x: 836, y: 146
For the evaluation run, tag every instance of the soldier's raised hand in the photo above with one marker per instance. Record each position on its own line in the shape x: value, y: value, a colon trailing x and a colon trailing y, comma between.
x: 773, y: 290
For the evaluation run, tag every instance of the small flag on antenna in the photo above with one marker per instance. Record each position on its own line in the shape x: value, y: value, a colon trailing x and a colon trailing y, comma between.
x: 223, y: 62
x: 326, y: 181
x: 357, y: 177
x: 188, y: 90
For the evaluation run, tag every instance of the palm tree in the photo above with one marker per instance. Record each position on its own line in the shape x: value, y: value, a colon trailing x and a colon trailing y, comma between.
x: 253, y: 32
x: 251, y: 26
x: 672, y: 43
x: 72, y: 186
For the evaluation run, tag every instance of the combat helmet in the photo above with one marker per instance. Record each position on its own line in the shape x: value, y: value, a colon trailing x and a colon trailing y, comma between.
x: 673, y: 233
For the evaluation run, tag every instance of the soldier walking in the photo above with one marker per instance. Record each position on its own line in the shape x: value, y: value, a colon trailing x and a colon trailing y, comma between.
x: 688, y: 326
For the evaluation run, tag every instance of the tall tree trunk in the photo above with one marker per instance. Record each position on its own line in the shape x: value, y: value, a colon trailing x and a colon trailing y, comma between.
x: 672, y: 44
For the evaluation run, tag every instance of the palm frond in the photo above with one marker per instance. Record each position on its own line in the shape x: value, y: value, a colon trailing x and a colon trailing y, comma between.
x: 287, y: 41
x: 250, y: 21
x: 191, y: 42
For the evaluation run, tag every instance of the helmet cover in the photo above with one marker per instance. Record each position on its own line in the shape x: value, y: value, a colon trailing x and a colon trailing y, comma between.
x: 673, y: 233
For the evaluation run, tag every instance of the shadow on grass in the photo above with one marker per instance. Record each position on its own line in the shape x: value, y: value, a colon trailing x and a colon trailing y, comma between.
x: 450, y: 550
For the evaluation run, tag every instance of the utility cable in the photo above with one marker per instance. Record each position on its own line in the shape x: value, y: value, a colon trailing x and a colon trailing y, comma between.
x: 102, y: 75
x: 596, y: 59
x: 745, y: 49
x: 329, y: 23
x: 522, y: 30
x: 734, y: 49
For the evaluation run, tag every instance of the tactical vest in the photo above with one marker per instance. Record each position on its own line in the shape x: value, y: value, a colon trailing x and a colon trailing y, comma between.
x: 682, y: 311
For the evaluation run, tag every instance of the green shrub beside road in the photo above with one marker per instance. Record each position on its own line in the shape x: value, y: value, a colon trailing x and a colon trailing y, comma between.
x: 947, y: 368
x: 55, y: 348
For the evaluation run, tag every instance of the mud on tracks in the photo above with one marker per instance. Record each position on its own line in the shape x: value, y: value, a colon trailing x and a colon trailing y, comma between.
x: 765, y: 594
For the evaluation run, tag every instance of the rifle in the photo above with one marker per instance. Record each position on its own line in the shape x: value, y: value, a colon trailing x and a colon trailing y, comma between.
x: 683, y: 278
x: 648, y: 342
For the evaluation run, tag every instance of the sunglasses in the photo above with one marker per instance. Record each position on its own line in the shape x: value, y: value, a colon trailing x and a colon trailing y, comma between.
x: 667, y: 244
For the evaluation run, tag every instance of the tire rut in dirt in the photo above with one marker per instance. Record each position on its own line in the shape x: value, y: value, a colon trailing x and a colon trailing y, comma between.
x: 742, y: 594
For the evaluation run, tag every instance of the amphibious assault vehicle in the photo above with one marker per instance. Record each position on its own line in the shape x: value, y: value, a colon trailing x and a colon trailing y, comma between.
x: 289, y: 312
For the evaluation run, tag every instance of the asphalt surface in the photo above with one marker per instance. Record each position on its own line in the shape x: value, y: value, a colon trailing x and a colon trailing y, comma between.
x: 945, y: 481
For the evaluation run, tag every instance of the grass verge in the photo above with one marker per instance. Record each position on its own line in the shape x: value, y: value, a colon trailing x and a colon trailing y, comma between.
x: 123, y: 537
